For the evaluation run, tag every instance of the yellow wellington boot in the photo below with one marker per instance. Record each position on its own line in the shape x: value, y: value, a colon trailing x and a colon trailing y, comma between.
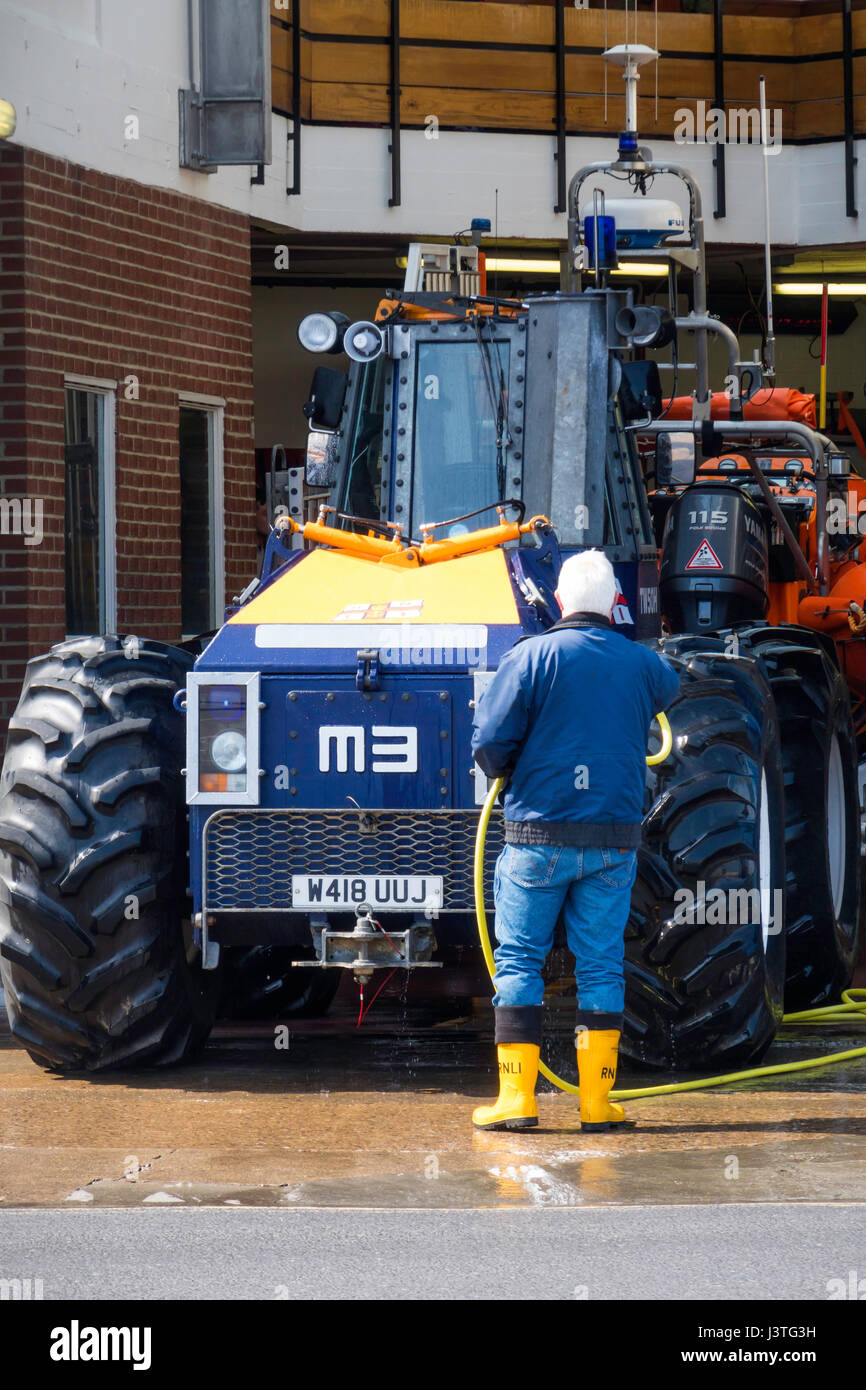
x: 596, y: 1065
x: 518, y: 1073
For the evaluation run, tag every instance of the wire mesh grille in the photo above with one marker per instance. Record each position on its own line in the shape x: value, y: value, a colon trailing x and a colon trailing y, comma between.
x: 250, y: 856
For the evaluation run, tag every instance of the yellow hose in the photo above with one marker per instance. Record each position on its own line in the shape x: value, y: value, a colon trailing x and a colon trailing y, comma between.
x: 852, y: 1007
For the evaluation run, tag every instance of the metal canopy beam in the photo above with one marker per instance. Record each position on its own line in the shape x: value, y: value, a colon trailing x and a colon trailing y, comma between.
x: 719, y: 72
x: 559, y: 156
x: 394, y: 147
x: 848, y: 107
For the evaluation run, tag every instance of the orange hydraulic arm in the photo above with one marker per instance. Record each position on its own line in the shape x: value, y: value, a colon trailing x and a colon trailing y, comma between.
x: 394, y: 552
x: 368, y: 547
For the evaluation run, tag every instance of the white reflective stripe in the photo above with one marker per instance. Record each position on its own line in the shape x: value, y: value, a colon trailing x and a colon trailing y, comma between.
x: 336, y: 637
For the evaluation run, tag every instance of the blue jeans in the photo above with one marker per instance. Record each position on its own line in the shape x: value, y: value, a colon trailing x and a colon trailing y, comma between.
x: 592, y: 888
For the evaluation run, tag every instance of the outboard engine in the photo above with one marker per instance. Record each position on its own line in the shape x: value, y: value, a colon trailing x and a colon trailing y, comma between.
x: 714, y: 559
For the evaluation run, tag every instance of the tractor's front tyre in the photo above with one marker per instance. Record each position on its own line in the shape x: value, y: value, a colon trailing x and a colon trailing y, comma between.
x: 705, y: 944
x: 96, y: 957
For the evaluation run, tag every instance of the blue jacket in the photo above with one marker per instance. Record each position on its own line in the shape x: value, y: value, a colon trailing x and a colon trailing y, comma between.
x: 568, y: 714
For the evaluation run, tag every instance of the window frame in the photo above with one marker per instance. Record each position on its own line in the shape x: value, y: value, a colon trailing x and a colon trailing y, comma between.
x: 106, y: 391
x: 405, y: 344
x: 214, y: 408
x: 356, y: 386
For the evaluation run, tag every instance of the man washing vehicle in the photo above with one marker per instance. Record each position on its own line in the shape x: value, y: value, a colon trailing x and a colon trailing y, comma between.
x: 567, y: 718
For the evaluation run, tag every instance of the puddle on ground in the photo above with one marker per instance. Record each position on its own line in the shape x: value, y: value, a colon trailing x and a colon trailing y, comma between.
x: 380, y: 1117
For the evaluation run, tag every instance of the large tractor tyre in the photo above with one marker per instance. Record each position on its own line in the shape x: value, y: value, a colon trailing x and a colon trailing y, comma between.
x: 96, y: 957
x: 822, y: 809
x: 705, y: 945
x: 260, y: 982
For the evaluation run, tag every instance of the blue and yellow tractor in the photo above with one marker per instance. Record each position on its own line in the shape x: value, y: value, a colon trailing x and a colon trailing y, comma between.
x: 299, y: 798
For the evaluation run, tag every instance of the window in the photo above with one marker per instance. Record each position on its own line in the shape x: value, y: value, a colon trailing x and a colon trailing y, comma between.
x: 202, y: 561
x: 89, y: 528
x: 459, y: 390
x: 363, y: 495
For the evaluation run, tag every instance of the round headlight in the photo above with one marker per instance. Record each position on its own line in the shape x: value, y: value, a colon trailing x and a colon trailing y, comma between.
x: 229, y: 751
x: 322, y: 332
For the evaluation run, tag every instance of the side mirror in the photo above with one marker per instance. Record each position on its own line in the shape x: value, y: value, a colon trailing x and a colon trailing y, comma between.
x: 320, y: 469
x: 675, y: 459
x: 327, y: 394
x: 640, y: 392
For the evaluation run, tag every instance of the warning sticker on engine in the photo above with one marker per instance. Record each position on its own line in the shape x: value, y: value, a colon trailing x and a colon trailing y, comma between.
x: 704, y: 558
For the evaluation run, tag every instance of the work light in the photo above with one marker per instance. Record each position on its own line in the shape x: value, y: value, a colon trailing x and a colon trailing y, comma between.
x: 322, y: 332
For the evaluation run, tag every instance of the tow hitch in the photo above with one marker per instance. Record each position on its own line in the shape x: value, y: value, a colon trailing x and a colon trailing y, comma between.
x: 370, y: 947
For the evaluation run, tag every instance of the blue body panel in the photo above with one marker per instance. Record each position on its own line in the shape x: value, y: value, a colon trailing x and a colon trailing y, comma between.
x: 420, y: 709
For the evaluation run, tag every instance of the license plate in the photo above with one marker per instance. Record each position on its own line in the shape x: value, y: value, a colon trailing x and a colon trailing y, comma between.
x: 384, y: 892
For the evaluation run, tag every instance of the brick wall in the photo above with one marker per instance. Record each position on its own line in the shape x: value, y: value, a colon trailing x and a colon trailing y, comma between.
x: 14, y: 555
x: 103, y: 277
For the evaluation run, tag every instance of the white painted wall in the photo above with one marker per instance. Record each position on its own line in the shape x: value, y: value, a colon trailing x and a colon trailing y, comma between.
x: 75, y: 69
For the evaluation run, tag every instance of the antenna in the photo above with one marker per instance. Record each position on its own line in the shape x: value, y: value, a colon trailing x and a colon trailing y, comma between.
x: 656, y: 47
x: 630, y: 57
x: 770, y: 364
x: 496, y: 236
x: 605, y: 65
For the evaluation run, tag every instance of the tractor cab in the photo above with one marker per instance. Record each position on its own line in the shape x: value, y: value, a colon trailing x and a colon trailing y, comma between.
x: 459, y: 406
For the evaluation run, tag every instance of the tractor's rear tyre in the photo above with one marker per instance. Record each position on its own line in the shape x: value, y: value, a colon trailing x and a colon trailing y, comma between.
x: 704, y: 986
x: 260, y: 982
x: 97, y: 964
x: 822, y: 809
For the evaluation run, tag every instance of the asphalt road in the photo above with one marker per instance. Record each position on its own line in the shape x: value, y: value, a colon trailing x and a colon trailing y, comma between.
x: 706, y: 1252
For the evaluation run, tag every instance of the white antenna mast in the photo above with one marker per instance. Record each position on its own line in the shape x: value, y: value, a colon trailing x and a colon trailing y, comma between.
x: 656, y: 47
x: 770, y: 365
x: 630, y: 57
x: 605, y: 64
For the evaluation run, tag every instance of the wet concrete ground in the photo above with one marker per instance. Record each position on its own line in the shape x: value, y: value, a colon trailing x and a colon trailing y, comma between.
x: 379, y: 1117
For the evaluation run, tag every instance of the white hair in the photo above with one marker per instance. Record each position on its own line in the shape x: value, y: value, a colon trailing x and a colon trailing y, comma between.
x: 587, y: 583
